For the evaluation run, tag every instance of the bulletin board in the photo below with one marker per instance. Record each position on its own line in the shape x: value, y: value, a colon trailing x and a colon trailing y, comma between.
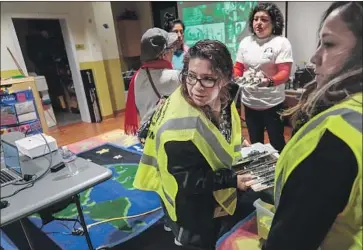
x: 19, y: 113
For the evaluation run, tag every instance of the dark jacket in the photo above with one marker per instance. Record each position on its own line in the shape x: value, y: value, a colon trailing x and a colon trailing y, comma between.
x: 196, y: 180
x: 313, y: 196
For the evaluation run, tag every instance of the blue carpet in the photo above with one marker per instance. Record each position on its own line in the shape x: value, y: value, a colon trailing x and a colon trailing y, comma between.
x: 106, y: 205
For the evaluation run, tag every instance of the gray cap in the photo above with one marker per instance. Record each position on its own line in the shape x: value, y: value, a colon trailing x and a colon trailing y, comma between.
x: 154, y: 41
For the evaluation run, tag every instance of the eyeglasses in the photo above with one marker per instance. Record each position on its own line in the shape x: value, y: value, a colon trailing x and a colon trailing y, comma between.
x: 179, y: 31
x: 205, y: 82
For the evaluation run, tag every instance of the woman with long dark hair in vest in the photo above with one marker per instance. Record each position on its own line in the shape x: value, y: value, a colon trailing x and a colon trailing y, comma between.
x: 318, y: 189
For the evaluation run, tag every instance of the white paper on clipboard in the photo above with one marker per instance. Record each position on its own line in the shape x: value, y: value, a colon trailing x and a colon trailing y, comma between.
x: 258, y: 147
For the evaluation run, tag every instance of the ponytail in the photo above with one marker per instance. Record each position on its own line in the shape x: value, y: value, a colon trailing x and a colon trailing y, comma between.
x: 170, y: 20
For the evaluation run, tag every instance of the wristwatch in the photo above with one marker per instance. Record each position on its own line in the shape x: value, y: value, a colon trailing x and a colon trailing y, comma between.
x: 270, y: 83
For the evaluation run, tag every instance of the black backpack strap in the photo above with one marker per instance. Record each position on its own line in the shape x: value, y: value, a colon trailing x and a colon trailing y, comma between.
x: 152, y: 83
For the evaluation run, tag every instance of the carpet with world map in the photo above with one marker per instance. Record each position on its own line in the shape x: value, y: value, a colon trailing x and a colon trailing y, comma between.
x: 106, y: 205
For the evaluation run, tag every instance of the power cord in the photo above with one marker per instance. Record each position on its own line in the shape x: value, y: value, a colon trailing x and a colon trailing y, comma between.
x: 79, y: 231
x: 19, y: 190
x: 75, y: 231
x: 122, y: 218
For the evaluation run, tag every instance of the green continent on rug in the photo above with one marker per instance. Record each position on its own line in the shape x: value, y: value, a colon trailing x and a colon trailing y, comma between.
x: 113, y: 210
x: 107, y: 209
x: 126, y: 175
x: 106, y: 205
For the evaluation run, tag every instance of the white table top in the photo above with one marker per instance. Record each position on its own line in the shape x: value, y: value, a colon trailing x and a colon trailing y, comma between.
x: 52, y: 188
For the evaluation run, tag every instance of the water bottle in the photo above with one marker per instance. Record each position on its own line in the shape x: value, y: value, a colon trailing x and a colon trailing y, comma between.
x: 69, y: 159
x: 2, y: 161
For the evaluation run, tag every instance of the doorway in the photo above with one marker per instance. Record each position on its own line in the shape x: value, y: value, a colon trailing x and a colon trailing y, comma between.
x: 44, y: 52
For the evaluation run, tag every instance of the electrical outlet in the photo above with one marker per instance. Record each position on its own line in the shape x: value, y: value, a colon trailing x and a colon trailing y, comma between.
x: 79, y: 46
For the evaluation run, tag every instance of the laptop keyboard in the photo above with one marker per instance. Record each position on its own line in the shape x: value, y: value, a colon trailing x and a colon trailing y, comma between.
x: 5, y: 177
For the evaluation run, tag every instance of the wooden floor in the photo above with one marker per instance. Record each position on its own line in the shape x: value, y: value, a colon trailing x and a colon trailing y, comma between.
x: 80, y: 131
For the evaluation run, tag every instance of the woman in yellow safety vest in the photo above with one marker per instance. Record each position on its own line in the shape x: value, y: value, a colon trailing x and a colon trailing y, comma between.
x: 193, y: 141
x: 318, y: 183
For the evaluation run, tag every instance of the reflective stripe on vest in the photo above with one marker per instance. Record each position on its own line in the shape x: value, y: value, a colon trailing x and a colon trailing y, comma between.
x: 168, y: 198
x: 349, y: 115
x: 352, y: 117
x: 230, y: 199
x: 149, y: 160
x: 203, y: 130
x: 189, y: 123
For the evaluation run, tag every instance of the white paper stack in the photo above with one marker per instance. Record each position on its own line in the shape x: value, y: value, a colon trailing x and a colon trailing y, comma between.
x: 259, y: 161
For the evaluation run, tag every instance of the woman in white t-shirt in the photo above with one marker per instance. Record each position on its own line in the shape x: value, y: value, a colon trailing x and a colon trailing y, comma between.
x: 268, y: 54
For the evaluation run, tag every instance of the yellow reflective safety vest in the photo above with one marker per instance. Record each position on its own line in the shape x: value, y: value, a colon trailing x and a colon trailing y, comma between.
x: 344, y: 120
x: 177, y: 120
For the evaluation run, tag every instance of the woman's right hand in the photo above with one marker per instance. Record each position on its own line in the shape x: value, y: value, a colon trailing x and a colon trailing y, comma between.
x: 245, y: 143
x: 244, y: 181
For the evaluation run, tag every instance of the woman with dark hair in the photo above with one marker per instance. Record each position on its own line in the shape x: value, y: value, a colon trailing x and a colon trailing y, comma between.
x: 266, y: 57
x: 193, y: 141
x: 171, y: 24
x: 318, y: 189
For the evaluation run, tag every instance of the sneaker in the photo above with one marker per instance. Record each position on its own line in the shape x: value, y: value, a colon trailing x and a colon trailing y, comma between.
x: 167, y: 229
x: 176, y: 242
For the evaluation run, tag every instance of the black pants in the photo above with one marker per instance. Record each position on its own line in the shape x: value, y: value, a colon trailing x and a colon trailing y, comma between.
x: 221, y: 225
x: 258, y: 120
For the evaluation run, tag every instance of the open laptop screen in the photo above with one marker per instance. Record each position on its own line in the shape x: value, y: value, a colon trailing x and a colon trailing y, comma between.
x: 11, y: 157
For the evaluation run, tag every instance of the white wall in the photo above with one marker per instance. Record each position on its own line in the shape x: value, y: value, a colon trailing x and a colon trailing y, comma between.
x: 79, y: 25
x: 93, y: 50
x: 107, y: 37
x: 85, y: 21
x: 70, y: 9
x: 302, y: 28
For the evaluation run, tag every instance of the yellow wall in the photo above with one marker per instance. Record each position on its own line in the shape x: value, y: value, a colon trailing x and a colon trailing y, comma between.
x: 99, y: 74
x: 9, y: 73
x: 115, y: 83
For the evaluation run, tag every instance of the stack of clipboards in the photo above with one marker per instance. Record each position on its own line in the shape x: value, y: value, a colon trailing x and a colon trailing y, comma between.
x: 259, y: 161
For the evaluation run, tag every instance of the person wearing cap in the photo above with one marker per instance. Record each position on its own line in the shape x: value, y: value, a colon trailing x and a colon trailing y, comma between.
x: 157, y: 48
